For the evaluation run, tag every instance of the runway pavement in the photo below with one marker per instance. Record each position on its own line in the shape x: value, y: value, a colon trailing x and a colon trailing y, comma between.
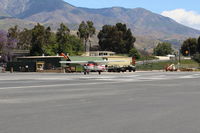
x: 141, y: 102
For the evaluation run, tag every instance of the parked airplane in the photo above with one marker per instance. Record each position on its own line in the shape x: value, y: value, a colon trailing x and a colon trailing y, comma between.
x: 91, y: 66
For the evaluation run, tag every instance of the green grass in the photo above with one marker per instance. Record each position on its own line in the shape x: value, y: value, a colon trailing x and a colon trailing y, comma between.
x: 189, y: 64
x: 162, y: 65
x: 143, y: 58
x: 154, y: 66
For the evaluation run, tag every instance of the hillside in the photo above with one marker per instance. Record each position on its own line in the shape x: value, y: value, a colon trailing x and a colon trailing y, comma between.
x: 7, y: 22
x: 142, y: 22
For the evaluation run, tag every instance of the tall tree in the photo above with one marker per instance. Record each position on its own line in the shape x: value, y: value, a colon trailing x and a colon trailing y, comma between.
x: 91, y: 30
x: 189, y: 47
x: 13, y: 35
x: 52, y: 46
x: 3, y: 39
x: 67, y: 43
x: 25, y: 38
x: 116, y: 38
x: 106, y: 38
x: 14, y: 32
x: 85, y: 32
x: 134, y: 53
x: 37, y: 40
x: 198, y: 45
x: 62, y: 38
x: 48, y: 35
x: 163, y: 49
x: 196, y: 57
x: 7, y: 45
x: 76, y: 45
x: 40, y: 38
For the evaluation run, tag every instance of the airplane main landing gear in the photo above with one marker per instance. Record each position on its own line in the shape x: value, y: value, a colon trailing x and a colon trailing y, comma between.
x: 86, y: 72
x: 99, y: 72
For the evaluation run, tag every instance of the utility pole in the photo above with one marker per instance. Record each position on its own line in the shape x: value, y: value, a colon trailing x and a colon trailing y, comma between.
x: 179, y: 58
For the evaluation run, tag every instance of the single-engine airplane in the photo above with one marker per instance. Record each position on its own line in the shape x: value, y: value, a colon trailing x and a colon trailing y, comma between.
x: 90, y: 66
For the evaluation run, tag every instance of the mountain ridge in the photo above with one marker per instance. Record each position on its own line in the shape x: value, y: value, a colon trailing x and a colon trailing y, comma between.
x: 142, y: 22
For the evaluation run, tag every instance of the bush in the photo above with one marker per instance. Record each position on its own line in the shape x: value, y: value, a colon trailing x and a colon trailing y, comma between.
x: 163, y: 49
x: 134, y: 53
x: 196, y: 57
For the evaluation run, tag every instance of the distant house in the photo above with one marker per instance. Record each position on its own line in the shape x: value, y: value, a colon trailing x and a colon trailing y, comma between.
x: 100, y: 53
x: 125, y: 60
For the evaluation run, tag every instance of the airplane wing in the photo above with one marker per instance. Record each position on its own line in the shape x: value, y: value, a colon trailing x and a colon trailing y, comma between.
x: 95, y: 61
x: 73, y: 62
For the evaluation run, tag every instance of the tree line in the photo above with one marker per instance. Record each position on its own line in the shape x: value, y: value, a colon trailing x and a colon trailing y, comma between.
x: 42, y: 40
x: 189, y: 47
x: 117, y: 38
x: 39, y: 40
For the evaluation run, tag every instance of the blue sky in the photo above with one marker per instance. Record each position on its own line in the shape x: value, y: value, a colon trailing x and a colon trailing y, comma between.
x: 157, y: 6
x: 186, y: 12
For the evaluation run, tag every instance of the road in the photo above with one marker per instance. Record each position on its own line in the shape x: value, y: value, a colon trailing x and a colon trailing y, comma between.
x: 141, y: 102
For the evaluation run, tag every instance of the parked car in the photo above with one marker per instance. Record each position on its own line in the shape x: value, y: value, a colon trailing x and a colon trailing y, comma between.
x: 129, y: 68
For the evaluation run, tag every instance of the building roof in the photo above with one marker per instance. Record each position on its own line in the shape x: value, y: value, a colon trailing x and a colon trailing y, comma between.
x: 34, y: 57
x: 84, y: 58
x: 72, y: 58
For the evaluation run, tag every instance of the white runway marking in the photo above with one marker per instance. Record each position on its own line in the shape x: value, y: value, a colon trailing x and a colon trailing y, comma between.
x: 191, y: 76
x: 56, y: 85
x: 109, y: 78
x: 58, y: 97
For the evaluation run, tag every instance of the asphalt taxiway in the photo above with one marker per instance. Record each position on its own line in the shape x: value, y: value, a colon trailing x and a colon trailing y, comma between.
x: 141, y: 102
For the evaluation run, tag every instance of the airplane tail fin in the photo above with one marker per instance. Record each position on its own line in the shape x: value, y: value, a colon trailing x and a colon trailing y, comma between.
x: 65, y: 56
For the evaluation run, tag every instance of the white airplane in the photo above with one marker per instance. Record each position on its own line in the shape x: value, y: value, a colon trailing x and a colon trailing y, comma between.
x: 92, y: 66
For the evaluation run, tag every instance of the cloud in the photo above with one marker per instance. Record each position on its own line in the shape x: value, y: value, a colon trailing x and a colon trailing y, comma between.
x: 188, y: 18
